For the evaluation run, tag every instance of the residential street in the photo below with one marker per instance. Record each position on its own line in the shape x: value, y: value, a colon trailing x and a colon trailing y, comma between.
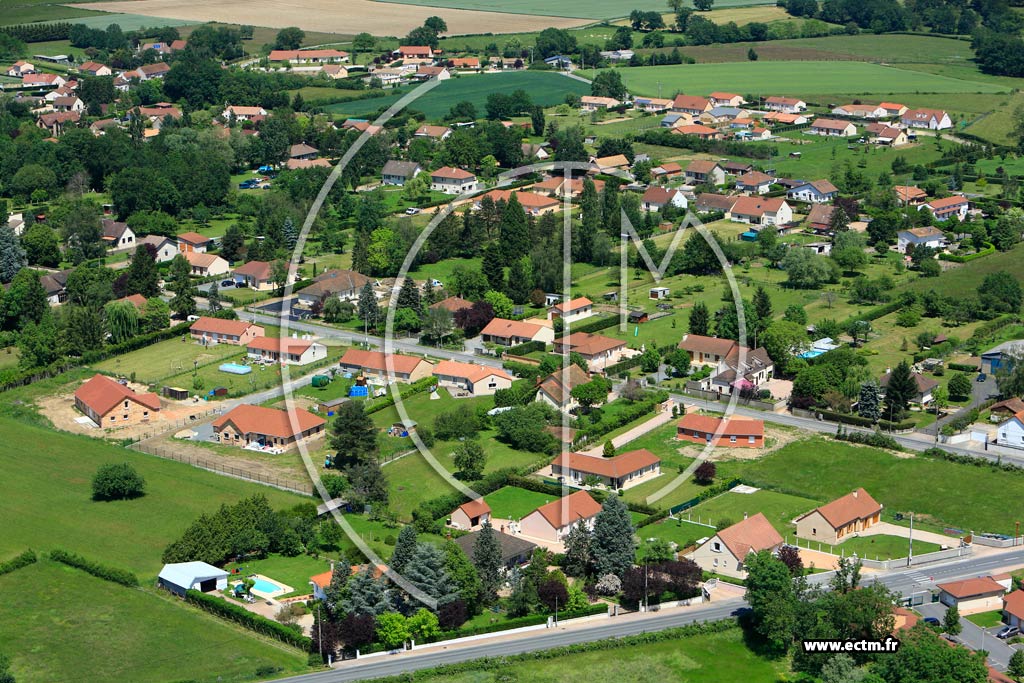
x: 975, y: 637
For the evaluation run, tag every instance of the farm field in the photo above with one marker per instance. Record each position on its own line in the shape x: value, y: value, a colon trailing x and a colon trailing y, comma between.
x: 997, y: 125
x: 545, y: 88
x: 814, y: 78
x: 47, y: 476
x: 584, y: 9
x: 969, y: 276
x: 28, y: 11
x: 108, y: 632
x: 354, y: 16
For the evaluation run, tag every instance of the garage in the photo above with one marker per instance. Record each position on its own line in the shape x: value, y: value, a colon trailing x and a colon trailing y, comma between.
x: 972, y: 595
x: 184, y: 576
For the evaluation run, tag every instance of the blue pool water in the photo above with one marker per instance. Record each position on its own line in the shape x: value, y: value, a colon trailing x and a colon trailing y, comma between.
x: 813, y: 353
x: 235, y: 368
x: 264, y: 586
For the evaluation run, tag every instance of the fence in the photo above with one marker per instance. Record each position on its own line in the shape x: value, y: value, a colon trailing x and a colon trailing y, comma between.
x: 220, y: 468
x: 894, y: 563
x: 768, y: 406
x: 992, y: 542
x: 169, y: 426
x: 715, y: 491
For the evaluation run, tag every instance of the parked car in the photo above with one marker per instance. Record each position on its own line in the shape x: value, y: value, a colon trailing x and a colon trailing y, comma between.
x: 227, y: 283
x: 1008, y: 632
x: 412, y: 211
x: 981, y: 377
x: 931, y: 621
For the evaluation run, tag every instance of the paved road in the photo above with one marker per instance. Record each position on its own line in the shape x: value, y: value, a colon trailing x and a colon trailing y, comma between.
x: 980, y: 391
x: 976, y: 637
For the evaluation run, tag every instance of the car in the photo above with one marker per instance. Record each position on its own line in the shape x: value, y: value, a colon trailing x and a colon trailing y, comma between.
x: 227, y: 283
x: 412, y: 211
x: 1008, y: 632
x: 981, y: 377
x: 931, y: 621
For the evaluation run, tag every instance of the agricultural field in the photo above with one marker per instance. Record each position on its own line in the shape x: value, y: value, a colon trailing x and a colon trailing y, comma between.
x: 154, y: 637
x: 813, y: 78
x: 594, y: 9
x: 28, y: 11
x: 48, y: 490
x: 996, y: 126
x: 545, y: 88
x: 969, y: 276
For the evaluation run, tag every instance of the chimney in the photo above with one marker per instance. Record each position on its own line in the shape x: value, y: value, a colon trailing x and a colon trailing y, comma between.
x: 744, y: 515
x: 855, y: 493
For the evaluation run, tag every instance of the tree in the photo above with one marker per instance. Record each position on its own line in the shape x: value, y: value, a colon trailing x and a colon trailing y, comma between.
x: 923, y: 657
x: 608, y: 451
x: 1007, y: 229
x: 405, y: 548
x: 40, y: 244
x: 608, y: 83
x: 752, y: 55
x: 117, y: 482
x: 804, y: 269
x: 493, y: 267
x: 289, y: 38
x: 552, y: 592
x: 487, y: 560
x: 772, y: 600
x: 365, y: 595
x: 951, y: 621
x: 184, y: 302
x: 392, y: 630
x: 425, y: 570
x: 790, y: 556
x: 500, y: 304
x: 213, y: 298
x: 25, y: 301
x: 156, y: 315
x: 122, y: 320
x: 463, y: 573
x: 613, y: 548
x: 959, y: 387
x: 848, y: 249
x: 368, y: 309
x: 353, y: 434
x: 232, y: 244
x: 363, y: 42
x: 436, y: 24
x: 699, y: 319
x: 900, y: 390
x: 703, y: 5
x: 5, y: 670
x: 783, y: 340
x: 12, y: 256
x: 337, y: 311
x: 423, y: 625
x: 577, y: 551
x: 470, y: 459
x: 869, y: 402
x: 143, y: 275
x: 705, y: 473
x: 1016, y: 668
x: 842, y: 669
x: 940, y: 399
x: 1000, y: 292
x: 513, y: 231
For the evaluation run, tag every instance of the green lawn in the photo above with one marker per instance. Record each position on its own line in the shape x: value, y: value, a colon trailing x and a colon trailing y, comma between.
x: 47, y: 501
x: 996, y: 126
x: 60, y: 624
x: 678, y: 531
x: 779, y: 508
x: 969, y: 276
x: 986, y: 619
x: 883, y: 547
x: 960, y: 496
x: 510, y: 502
x: 782, y: 78
x: 166, y: 359
x: 546, y: 88
x: 292, y: 571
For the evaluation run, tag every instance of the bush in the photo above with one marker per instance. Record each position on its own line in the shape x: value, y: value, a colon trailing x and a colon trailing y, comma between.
x: 100, y: 571
x: 876, y: 439
x: 250, y: 620
x: 23, y: 560
x: 417, y: 387
x: 117, y: 482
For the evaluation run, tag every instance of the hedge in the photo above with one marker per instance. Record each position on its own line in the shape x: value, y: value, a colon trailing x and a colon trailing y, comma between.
x: 957, y: 258
x: 622, y: 366
x: 900, y: 426
x: 522, y: 370
x: 23, y: 560
x: 962, y: 367
x: 939, y: 454
x: 845, y: 418
x: 526, y: 348
x: 596, y: 325
x: 417, y: 387
x: 100, y: 571
x: 631, y: 413
x: 874, y: 313
x: 519, y: 622
x: 876, y: 439
x: 250, y: 620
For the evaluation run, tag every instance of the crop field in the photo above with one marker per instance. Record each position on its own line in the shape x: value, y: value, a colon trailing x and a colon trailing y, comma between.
x: 545, y: 89
x: 997, y: 125
x: 584, y: 9
x: 810, y: 78
x: 350, y: 17
x: 28, y: 11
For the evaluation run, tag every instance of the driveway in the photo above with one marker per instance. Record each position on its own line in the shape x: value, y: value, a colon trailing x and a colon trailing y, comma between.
x: 975, y: 637
x: 980, y: 391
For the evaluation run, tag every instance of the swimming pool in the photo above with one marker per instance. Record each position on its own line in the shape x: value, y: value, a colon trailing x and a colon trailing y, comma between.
x: 235, y: 368
x: 265, y: 586
x: 813, y: 353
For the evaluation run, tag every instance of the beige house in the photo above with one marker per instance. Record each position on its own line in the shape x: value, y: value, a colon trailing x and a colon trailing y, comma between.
x: 513, y: 332
x: 972, y: 595
x: 286, y: 351
x: 111, y: 404
x: 707, y: 350
x: 377, y: 365
x: 478, y: 380
x: 472, y: 515
x: 573, y: 310
x: 620, y: 472
x: 599, y: 351
x: 204, y: 265
x: 249, y: 426
x: 556, y: 390
x: 217, y: 331
x: 725, y: 552
x: 552, y: 522
x: 834, y: 522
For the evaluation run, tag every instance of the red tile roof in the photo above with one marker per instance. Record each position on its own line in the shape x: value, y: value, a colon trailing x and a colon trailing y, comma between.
x: 378, y: 361
x: 853, y: 506
x: 947, y: 202
x: 573, y: 304
x: 259, y: 270
x: 193, y: 238
x: 969, y: 588
x: 475, y: 508
x: 453, y: 304
x: 474, y: 373
x: 756, y: 206
x: 234, y: 328
x: 698, y: 343
x: 569, y: 509
x: 500, y: 327
x: 590, y: 344
x: 734, y: 426
x: 692, y: 102
x: 250, y: 419
x: 450, y: 173
x: 618, y: 466
x: 1014, y: 603
x: 101, y: 394
x: 295, y: 346
x: 753, y: 534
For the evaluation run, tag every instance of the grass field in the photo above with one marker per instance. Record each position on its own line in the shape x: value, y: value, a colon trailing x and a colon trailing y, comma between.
x: 545, y: 88
x: 28, y: 11
x: 969, y: 276
x: 510, y: 502
x: 997, y: 125
x: 46, y: 496
x: 584, y: 9
x: 107, y: 632
x: 960, y: 496
x: 986, y: 619
x: 779, y: 508
x: 678, y: 531
x: 127, y: 22
x: 811, y: 78
x: 883, y: 547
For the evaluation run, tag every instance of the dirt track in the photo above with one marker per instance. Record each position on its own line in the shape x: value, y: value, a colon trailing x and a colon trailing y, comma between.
x: 349, y: 17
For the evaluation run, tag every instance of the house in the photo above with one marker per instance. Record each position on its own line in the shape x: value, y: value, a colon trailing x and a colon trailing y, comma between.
x: 286, y: 351
x: 256, y: 275
x: 726, y: 99
x: 465, y: 63
x: 566, y: 187
x: 1013, y: 609
x: 385, y: 368
x: 971, y: 596
x: 786, y: 105
x: 453, y: 304
x: 747, y: 370
x: 515, y: 550
x: 344, y: 284
x: 592, y: 103
x: 295, y: 164
x: 35, y: 80
x: 666, y: 171
x: 701, y: 172
x: 925, y: 386
x: 619, y: 472
x: 556, y: 388
x: 652, y: 104
x: 433, y: 132
x: 909, y: 194
x: 513, y: 332
x: 553, y: 521
x: 616, y: 162
x: 754, y: 182
x: 149, y: 71
x: 675, y: 120
x: 414, y: 52
x: 734, y: 432
x: 893, y: 109
x: 758, y: 211
x: 533, y: 203
x: 251, y: 425
x: 832, y: 127
x: 927, y: 236
x: 318, y: 56
x: 237, y: 113
x: 397, y: 172
x: 180, y: 577
x: 699, y: 131
x: 208, y: 331
x: 891, y: 136
x: 570, y: 311
x: 94, y: 69
x: 947, y: 207
x: 68, y: 103
x: 387, y: 77
x: 834, y: 522
x: 535, y: 151
x: 1007, y: 408
x: 55, y: 122
x: 164, y: 248
x: 477, y: 380
x: 559, y: 62
x: 725, y: 552
x: 690, y: 104
x: 55, y: 286
x: 116, y: 235
x: 1011, y: 432
x: 204, y: 265
x: 708, y: 201
x: 599, y: 351
x: 932, y: 119
x: 472, y: 515
x: 193, y: 241
x: 109, y: 403
x: 452, y: 180
x: 656, y: 198
x: 303, y: 151
x: 1001, y: 357
x: 819, y: 219
x: 334, y: 71
x: 860, y: 111
x: 21, y: 68
x: 136, y: 300
x: 720, y: 114
x: 814, y: 192
x: 707, y: 350
x: 782, y: 119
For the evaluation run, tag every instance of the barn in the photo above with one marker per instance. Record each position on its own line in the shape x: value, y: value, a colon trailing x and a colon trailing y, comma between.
x: 184, y: 576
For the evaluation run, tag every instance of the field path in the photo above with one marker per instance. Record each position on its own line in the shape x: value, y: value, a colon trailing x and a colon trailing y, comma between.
x: 349, y: 17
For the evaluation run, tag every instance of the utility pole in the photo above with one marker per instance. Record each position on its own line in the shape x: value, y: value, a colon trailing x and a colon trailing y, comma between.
x: 320, y: 632
x: 910, y: 550
x: 556, y: 610
x: 645, y: 586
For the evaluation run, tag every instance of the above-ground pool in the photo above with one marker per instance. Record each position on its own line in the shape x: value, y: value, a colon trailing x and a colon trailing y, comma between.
x: 235, y: 368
